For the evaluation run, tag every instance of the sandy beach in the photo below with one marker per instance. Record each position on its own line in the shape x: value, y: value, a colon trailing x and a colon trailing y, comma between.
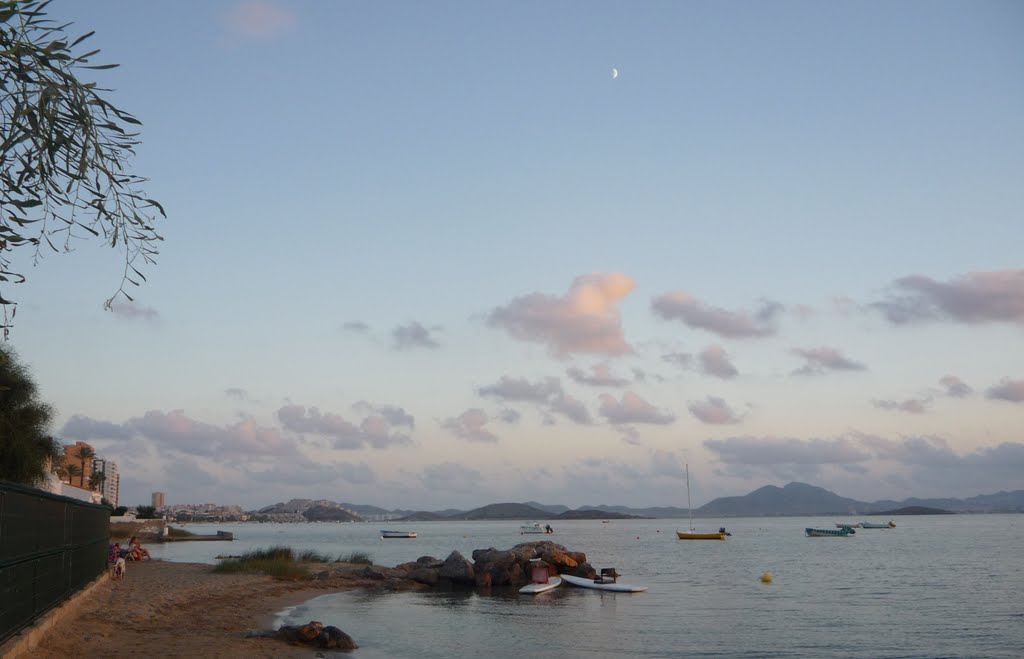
x: 184, y: 609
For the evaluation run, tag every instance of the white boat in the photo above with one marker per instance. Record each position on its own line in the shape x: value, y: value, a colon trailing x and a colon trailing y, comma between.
x: 397, y: 534
x: 602, y: 584
x: 876, y: 525
x: 536, y: 527
x: 534, y: 588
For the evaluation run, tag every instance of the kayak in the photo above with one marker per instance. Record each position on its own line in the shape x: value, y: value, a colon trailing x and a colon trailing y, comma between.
x: 534, y: 588
x: 597, y: 585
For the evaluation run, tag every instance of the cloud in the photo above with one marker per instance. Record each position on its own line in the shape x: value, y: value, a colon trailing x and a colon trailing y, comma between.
x: 632, y: 409
x: 681, y: 306
x: 522, y: 390
x: 237, y: 393
x: 258, y: 20
x: 1010, y: 390
x: 355, y: 327
x: 667, y: 464
x: 547, y: 393
x: 820, y: 360
x: 911, y: 405
x: 955, y: 387
x: 396, y: 416
x: 413, y: 335
x: 713, y: 411
x: 373, y: 431
x: 714, y: 360
x: 509, y: 416
x: 680, y: 359
x: 133, y: 311
x: 585, y: 320
x: 450, y: 476
x: 601, y: 376
x: 470, y: 426
x: 175, y: 430
x: 974, y: 298
x: 82, y: 428
x: 772, y: 450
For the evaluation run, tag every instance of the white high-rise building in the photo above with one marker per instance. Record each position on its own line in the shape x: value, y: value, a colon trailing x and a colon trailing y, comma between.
x: 158, y: 500
x: 111, y: 482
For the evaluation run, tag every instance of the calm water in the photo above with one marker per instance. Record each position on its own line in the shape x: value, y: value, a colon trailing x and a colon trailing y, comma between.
x: 936, y: 586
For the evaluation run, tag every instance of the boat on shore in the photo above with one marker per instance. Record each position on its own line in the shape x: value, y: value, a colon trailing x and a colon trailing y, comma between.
x: 607, y: 580
x: 876, y: 525
x: 847, y: 526
x: 829, y: 533
x: 692, y: 533
x: 397, y: 534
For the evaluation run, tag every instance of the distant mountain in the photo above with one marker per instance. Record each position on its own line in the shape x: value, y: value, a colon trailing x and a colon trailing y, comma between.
x: 554, y: 510
x: 657, y: 512
x: 915, y: 510
x: 1000, y: 502
x: 793, y: 499
x: 422, y: 516
x: 506, y: 511
x: 363, y: 510
x: 594, y: 514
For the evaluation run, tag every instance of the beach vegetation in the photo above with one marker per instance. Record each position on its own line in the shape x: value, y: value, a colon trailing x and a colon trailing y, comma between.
x: 356, y: 557
x: 64, y: 153
x: 28, y: 452
x: 310, y: 556
x: 279, y: 562
x: 145, y: 512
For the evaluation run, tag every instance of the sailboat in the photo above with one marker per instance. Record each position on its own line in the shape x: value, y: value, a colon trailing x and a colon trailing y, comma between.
x: 692, y: 533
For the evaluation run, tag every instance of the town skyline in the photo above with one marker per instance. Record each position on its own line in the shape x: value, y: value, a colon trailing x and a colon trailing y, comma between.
x: 442, y: 254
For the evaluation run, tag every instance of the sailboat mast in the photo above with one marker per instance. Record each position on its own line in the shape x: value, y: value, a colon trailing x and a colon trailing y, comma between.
x: 688, y: 507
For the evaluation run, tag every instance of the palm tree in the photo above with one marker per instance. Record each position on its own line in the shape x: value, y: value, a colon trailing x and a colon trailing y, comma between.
x: 72, y: 470
x: 83, y: 452
x: 96, y: 480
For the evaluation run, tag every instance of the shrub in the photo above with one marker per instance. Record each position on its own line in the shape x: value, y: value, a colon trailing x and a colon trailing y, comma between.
x: 356, y: 557
x: 278, y: 562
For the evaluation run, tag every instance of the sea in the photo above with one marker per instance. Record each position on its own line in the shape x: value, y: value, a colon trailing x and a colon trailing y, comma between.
x: 933, y: 586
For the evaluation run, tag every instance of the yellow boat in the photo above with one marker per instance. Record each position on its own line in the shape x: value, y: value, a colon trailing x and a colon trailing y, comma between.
x: 692, y: 533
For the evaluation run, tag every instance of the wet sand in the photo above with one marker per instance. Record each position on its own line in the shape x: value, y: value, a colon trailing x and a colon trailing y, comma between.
x: 184, y: 609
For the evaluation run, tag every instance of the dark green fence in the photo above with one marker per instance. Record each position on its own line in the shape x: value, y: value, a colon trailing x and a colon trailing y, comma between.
x: 50, y: 547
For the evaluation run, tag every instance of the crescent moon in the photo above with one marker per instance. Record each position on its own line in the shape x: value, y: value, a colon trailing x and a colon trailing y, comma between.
x: 615, y: 74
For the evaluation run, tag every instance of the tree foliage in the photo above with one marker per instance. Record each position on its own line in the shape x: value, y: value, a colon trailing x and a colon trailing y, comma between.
x: 145, y: 512
x: 64, y: 151
x: 27, y: 451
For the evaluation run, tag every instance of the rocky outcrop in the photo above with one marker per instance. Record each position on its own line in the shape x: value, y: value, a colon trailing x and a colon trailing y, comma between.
x: 313, y: 633
x: 490, y: 567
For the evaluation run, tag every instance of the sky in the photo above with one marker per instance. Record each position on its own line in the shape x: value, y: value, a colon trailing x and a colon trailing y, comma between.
x: 434, y: 255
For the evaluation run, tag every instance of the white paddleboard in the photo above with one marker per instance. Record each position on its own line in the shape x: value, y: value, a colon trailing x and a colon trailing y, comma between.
x: 534, y: 588
x: 590, y: 583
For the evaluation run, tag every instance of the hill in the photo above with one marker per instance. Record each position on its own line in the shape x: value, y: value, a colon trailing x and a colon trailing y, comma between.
x: 594, y: 514
x: 505, y: 511
x: 793, y: 499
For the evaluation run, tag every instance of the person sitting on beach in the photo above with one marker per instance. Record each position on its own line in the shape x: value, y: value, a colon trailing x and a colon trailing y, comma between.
x: 114, y: 553
x: 137, y: 551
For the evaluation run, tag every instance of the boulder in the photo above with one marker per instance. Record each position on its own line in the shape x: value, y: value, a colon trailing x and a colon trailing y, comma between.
x: 425, y: 575
x: 332, y: 638
x: 457, y: 569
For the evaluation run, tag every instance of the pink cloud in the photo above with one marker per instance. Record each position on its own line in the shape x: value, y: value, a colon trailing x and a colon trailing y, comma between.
x: 1009, y: 390
x: 819, y: 360
x: 714, y: 411
x: 259, y: 20
x: 584, y: 320
x: 714, y: 360
x: 470, y: 426
x: 632, y: 409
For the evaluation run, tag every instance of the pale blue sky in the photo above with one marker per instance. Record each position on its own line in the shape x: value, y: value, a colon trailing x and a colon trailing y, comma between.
x: 452, y: 169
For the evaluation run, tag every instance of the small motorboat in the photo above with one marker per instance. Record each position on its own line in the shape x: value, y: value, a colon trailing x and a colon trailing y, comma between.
x: 536, y: 527
x: 397, y: 534
x: 876, y: 525
x: 829, y: 533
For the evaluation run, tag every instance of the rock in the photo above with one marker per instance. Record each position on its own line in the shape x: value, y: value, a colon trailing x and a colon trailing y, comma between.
x: 322, y: 576
x: 429, y: 561
x: 425, y: 575
x: 457, y: 569
x: 332, y: 638
x: 310, y: 631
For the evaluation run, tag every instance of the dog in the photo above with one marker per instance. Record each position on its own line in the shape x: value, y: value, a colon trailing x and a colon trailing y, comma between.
x: 120, y: 567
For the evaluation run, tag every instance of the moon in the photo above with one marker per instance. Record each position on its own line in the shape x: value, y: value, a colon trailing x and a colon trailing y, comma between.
x: 615, y: 73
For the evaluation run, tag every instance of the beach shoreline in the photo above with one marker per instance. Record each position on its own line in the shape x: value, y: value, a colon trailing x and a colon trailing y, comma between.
x: 185, y: 609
